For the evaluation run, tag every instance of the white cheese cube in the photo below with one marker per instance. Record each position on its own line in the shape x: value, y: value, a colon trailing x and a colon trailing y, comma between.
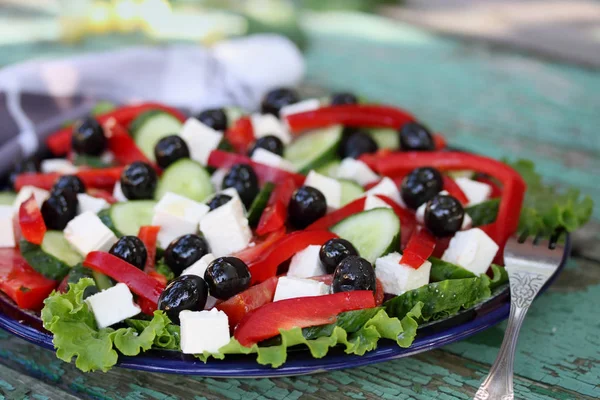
x: 60, y: 165
x: 472, y: 249
x: 87, y: 233
x: 199, y: 267
x: 398, y: 278
x: 372, y: 202
x: 467, y: 223
x: 269, y: 125
x: 475, y: 191
x: 265, y: 157
x: 299, y: 107
x: 203, y: 331
x: 387, y: 187
x: 91, y: 203
x: 25, y: 193
x: 226, y: 228
x: 289, y: 287
x: 200, y: 139
x: 357, y: 171
x: 217, y: 178
x: 118, y: 193
x: 7, y: 230
x: 331, y: 188
x: 177, y: 216
x: 306, y: 263
x: 112, y: 305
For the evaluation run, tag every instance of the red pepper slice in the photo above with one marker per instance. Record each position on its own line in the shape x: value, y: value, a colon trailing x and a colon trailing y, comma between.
x: 452, y: 187
x: 265, y: 173
x: 24, y: 285
x: 121, y: 144
x: 336, y: 216
x: 159, y: 277
x: 419, y: 249
x: 141, y: 284
x: 496, y: 190
x: 275, y: 214
x: 408, y: 220
x: 241, y: 304
x: 148, y: 235
x: 266, y: 322
x: 256, y: 252
x: 266, y: 267
x: 440, y: 141
x: 240, y: 135
x: 100, y: 178
x: 31, y: 221
x: 328, y: 280
x: 102, y: 194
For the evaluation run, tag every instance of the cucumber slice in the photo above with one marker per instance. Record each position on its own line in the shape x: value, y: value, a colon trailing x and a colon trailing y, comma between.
x: 78, y: 272
x: 127, y: 218
x: 7, y: 198
x: 260, y: 203
x: 186, y: 178
x: 151, y: 126
x: 386, y: 138
x: 53, y: 258
x: 102, y: 281
x: 350, y: 191
x: 233, y: 114
x: 314, y: 149
x: 374, y: 233
x: 329, y: 169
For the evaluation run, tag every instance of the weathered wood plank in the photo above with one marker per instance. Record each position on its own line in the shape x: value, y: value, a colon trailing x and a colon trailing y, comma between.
x: 17, y: 386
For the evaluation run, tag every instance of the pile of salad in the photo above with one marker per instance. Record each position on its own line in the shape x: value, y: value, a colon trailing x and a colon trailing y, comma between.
x: 318, y: 223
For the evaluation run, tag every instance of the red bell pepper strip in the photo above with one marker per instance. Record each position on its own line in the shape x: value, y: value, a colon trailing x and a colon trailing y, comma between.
x: 159, y: 277
x: 408, y: 220
x: 265, y: 173
x: 100, y: 178
x: 452, y: 187
x: 282, y: 250
x: 121, y: 144
x: 419, y: 249
x: 301, y: 312
x: 102, y: 194
x: 440, y: 141
x: 31, y: 221
x: 357, y: 115
x: 275, y: 214
x: 240, y: 135
x: 328, y: 280
x: 496, y: 190
x: 141, y: 284
x: 336, y: 216
x: 148, y: 235
x: 256, y: 252
x: 249, y: 300
x: 24, y: 285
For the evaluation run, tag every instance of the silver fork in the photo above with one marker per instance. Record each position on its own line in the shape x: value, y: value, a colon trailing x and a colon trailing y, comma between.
x: 529, y: 265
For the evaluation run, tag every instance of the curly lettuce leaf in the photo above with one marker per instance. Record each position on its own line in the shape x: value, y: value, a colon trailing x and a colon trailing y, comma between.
x: 443, y: 270
x: 499, y: 277
x: 76, y: 335
x: 168, y: 339
x: 484, y: 213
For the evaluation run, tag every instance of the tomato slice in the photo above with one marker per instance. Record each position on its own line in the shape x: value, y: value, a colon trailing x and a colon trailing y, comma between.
x: 241, y: 304
x: 31, y: 221
x: 148, y: 235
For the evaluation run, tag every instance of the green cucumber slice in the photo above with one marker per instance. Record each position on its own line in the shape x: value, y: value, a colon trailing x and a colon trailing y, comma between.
x: 53, y: 258
x: 386, y: 138
x: 350, y: 191
x: 374, y: 233
x: 151, y: 126
x: 329, y: 169
x: 7, y: 198
x: 260, y: 203
x: 186, y: 178
x: 314, y: 149
x: 102, y: 281
x: 127, y: 218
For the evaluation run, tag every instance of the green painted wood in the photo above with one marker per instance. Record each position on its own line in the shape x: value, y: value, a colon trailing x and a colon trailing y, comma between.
x: 17, y: 386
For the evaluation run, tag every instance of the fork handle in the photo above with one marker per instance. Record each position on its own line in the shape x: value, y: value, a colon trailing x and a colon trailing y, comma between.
x: 499, y: 383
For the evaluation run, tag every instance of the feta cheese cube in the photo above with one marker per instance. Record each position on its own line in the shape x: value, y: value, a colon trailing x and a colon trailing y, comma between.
x: 398, y: 278
x: 25, y: 193
x: 472, y: 249
x: 299, y: 107
x: 372, y: 202
x: 269, y: 125
x: 331, y: 188
x: 118, y: 193
x: 91, y: 203
x: 199, y: 267
x: 226, y: 228
x: 177, y: 216
x: 87, y: 233
x: 200, y: 139
x: 475, y: 191
x: 7, y: 229
x: 265, y: 157
x: 217, y: 178
x: 60, y: 165
x: 306, y: 263
x: 203, y: 331
x: 387, y: 187
x: 112, y: 305
x: 357, y: 171
x: 289, y: 287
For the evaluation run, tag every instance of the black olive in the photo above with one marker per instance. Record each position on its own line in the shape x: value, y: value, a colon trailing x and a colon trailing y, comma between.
x: 226, y: 277
x: 138, y: 181
x: 88, y: 137
x: 242, y: 178
x: 306, y: 206
x: 356, y: 142
x: 187, y: 292
x: 184, y: 251
x: 354, y: 273
x: 28, y: 165
x: 269, y: 143
x: 420, y: 186
x: 215, y: 118
x: 334, y: 251
x: 170, y: 149
x: 444, y: 215
x: 278, y: 98
x: 130, y: 249
x: 219, y: 200
x: 59, y: 209
x: 69, y: 183
x: 343, y: 98
x: 416, y: 137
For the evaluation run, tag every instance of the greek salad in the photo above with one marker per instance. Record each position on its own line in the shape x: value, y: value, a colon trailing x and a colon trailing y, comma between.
x: 319, y: 223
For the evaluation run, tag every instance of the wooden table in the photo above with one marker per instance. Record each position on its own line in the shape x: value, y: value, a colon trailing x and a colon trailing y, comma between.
x: 497, y: 103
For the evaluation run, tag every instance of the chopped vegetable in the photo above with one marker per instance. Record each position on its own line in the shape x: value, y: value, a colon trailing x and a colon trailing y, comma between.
x: 31, y: 221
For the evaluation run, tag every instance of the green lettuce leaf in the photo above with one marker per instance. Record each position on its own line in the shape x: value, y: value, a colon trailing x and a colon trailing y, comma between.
x: 443, y: 270
x: 163, y: 269
x: 76, y: 335
x: 499, y: 278
x: 168, y: 339
x: 484, y: 213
